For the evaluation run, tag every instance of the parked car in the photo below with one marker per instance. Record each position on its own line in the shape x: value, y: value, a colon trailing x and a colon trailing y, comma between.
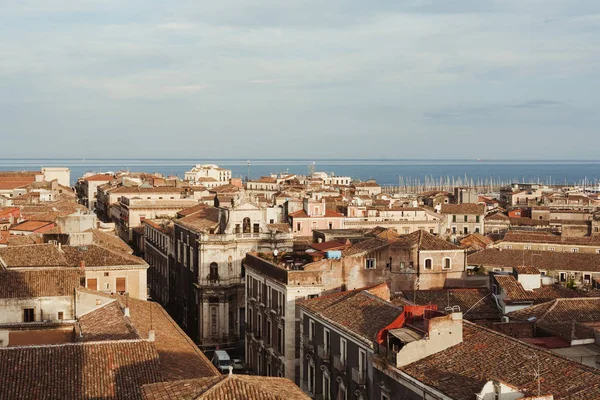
x: 238, y: 366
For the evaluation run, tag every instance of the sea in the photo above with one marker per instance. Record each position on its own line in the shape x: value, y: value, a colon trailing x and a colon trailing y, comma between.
x: 387, y: 172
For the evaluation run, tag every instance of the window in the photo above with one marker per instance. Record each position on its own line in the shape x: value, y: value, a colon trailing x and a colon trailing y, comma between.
x: 447, y: 263
x: 562, y: 276
x: 61, y: 315
x: 476, y: 230
x: 317, y: 210
x: 587, y: 278
x: 370, y: 263
x: 106, y: 274
x: 428, y: 263
x: 326, y: 387
x: 28, y: 315
x: 330, y: 224
x: 311, y: 330
x: 249, y: 322
x: 259, y: 325
x: 453, y: 229
x: 258, y: 366
x: 256, y: 228
x: 280, y: 340
x: 597, y: 251
x: 269, y: 330
x: 311, y: 377
x: 465, y: 230
x: 402, y: 265
x: 326, y: 340
x: 298, y: 226
x: 213, y: 272
x: 575, y: 250
x: 246, y: 225
x: 92, y: 284
x: 454, y: 218
x: 314, y: 225
x: 121, y: 285
x: 362, y: 363
x: 343, y: 350
x: 466, y: 219
x: 477, y: 218
x: 268, y: 369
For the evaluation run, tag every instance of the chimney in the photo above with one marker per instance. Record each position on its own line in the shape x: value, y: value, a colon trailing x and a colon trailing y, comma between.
x: 82, y: 265
x: 126, y: 312
x: 151, y: 335
x: 230, y: 370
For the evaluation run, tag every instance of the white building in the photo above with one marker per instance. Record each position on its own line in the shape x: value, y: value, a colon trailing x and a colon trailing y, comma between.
x: 200, y: 172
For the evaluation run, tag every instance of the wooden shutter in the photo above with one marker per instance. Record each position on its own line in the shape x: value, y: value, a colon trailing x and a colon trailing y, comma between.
x: 92, y: 284
x: 120, y: 284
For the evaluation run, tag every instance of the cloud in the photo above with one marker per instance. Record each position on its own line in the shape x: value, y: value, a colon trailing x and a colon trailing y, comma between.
x: 396, y: 71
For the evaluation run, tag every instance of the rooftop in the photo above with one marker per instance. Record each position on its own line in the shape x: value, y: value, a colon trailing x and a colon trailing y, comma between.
x: 226, y: 387
x: 544, y: 260
x: 361, y: 312
x: 464, y: 208
x: 475, y: 304
x: 484, y: 355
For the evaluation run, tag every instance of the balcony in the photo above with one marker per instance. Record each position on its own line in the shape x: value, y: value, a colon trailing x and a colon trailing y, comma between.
x: 323, y: 353
x: 217, y: 280
x: 359, y: 377
x: 308, y: 343
x: 339, y: 364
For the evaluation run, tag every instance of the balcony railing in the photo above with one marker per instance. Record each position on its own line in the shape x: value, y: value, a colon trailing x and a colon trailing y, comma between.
x: 339, y: 364
x: 228, y: 237
x: 359, y: 376
x: 212, y: 280
x: 309, y: 344
x: 323, y: 352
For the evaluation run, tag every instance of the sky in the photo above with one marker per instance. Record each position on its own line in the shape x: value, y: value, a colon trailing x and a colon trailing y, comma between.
x: 492, y: 79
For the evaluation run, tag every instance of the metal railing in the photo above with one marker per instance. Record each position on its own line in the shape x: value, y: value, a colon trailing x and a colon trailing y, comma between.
x: 339, y: 364
x: 323, y: 352
x: 359, y: 376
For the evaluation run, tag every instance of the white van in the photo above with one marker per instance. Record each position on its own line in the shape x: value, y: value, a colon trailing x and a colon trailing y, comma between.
x: 222, y: 361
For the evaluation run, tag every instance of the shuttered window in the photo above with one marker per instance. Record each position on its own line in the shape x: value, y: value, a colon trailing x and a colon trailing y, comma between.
x: 120, y: 285
x: 92, y: 284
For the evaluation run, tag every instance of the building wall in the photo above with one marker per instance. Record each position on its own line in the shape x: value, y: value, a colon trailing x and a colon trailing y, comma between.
x: 62, y: 175
x: 340, y: 378
x: 45, y: 309
x: 135, y: 280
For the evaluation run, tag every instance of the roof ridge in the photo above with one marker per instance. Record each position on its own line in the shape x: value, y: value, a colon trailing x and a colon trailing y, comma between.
x: 554, y: 303
x: 97, y: 342
x: 223, y: 378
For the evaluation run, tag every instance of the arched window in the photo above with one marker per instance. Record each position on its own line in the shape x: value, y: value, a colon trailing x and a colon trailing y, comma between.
x: 230, y: 263
x: 246, y: 225
x: 214, y: 272
x: 428, y: 263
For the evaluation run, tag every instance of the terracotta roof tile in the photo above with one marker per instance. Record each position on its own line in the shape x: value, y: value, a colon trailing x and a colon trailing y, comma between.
x: 100, y: 370
x: 359, y: 312
x: 226, y: 387
x: 38, y: 283
x: 465, y: 208
x: 486, y: 355
x: 475, y: 304
x: 544, y: 260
